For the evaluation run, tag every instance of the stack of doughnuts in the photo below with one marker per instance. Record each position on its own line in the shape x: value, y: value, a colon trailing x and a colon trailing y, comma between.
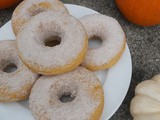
x: 54, y: 63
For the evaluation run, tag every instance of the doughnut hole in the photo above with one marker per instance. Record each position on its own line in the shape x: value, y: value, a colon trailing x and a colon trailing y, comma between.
x: 67, y: 97
x: 67, y: 94
x: 95, y: 42
x: 51, y: 36
x: 10, y: 68
x: 52, y: 41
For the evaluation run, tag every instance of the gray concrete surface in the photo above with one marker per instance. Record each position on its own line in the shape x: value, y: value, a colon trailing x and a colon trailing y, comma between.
x: 144, y: 44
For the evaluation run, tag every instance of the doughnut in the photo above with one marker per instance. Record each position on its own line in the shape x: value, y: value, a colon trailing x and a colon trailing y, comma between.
x: 76, y: 95
x: 30, y: 8
x: 113, y: 43
x: 14, y: 85
x: 49, y: 59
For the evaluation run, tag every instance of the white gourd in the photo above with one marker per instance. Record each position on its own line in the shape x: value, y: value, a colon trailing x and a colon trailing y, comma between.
x: 146, y: 103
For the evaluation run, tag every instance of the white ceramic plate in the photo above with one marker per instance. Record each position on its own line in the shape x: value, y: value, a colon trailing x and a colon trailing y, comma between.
x: 115, y: 81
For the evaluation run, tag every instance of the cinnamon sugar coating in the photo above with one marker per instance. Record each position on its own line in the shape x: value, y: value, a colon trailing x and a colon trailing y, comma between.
x: 57, y: 59
x: 29, y: 8
x: 15, y: 85
x: 113, y: 41
x: 80, y: 83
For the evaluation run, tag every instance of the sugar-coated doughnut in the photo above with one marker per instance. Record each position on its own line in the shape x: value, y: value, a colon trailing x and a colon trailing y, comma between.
x: 14, y: 85
x: 65, y: 56
x: 30, y: 8
x: 76, y: 95
x: 113, y: 41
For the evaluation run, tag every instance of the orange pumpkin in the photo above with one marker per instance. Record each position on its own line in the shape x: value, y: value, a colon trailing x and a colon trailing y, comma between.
x: 7, y: 3
x: 141, y: 12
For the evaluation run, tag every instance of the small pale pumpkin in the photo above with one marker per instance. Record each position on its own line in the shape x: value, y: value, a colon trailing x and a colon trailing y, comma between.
x: 141, y: 12
x: 146, y: 103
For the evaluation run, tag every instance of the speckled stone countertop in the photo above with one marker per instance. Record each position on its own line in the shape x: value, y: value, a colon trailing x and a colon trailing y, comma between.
x: 144, y: 44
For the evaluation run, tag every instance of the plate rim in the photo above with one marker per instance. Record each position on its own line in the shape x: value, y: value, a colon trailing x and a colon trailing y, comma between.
x: 127, y: 48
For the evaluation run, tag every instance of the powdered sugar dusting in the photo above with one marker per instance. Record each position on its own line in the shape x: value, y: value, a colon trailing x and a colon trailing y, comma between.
x: 29, y: 8
x: 22, y: 77
x: 44, y: 101
x: 38, y: 29
x: 111, y: 33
